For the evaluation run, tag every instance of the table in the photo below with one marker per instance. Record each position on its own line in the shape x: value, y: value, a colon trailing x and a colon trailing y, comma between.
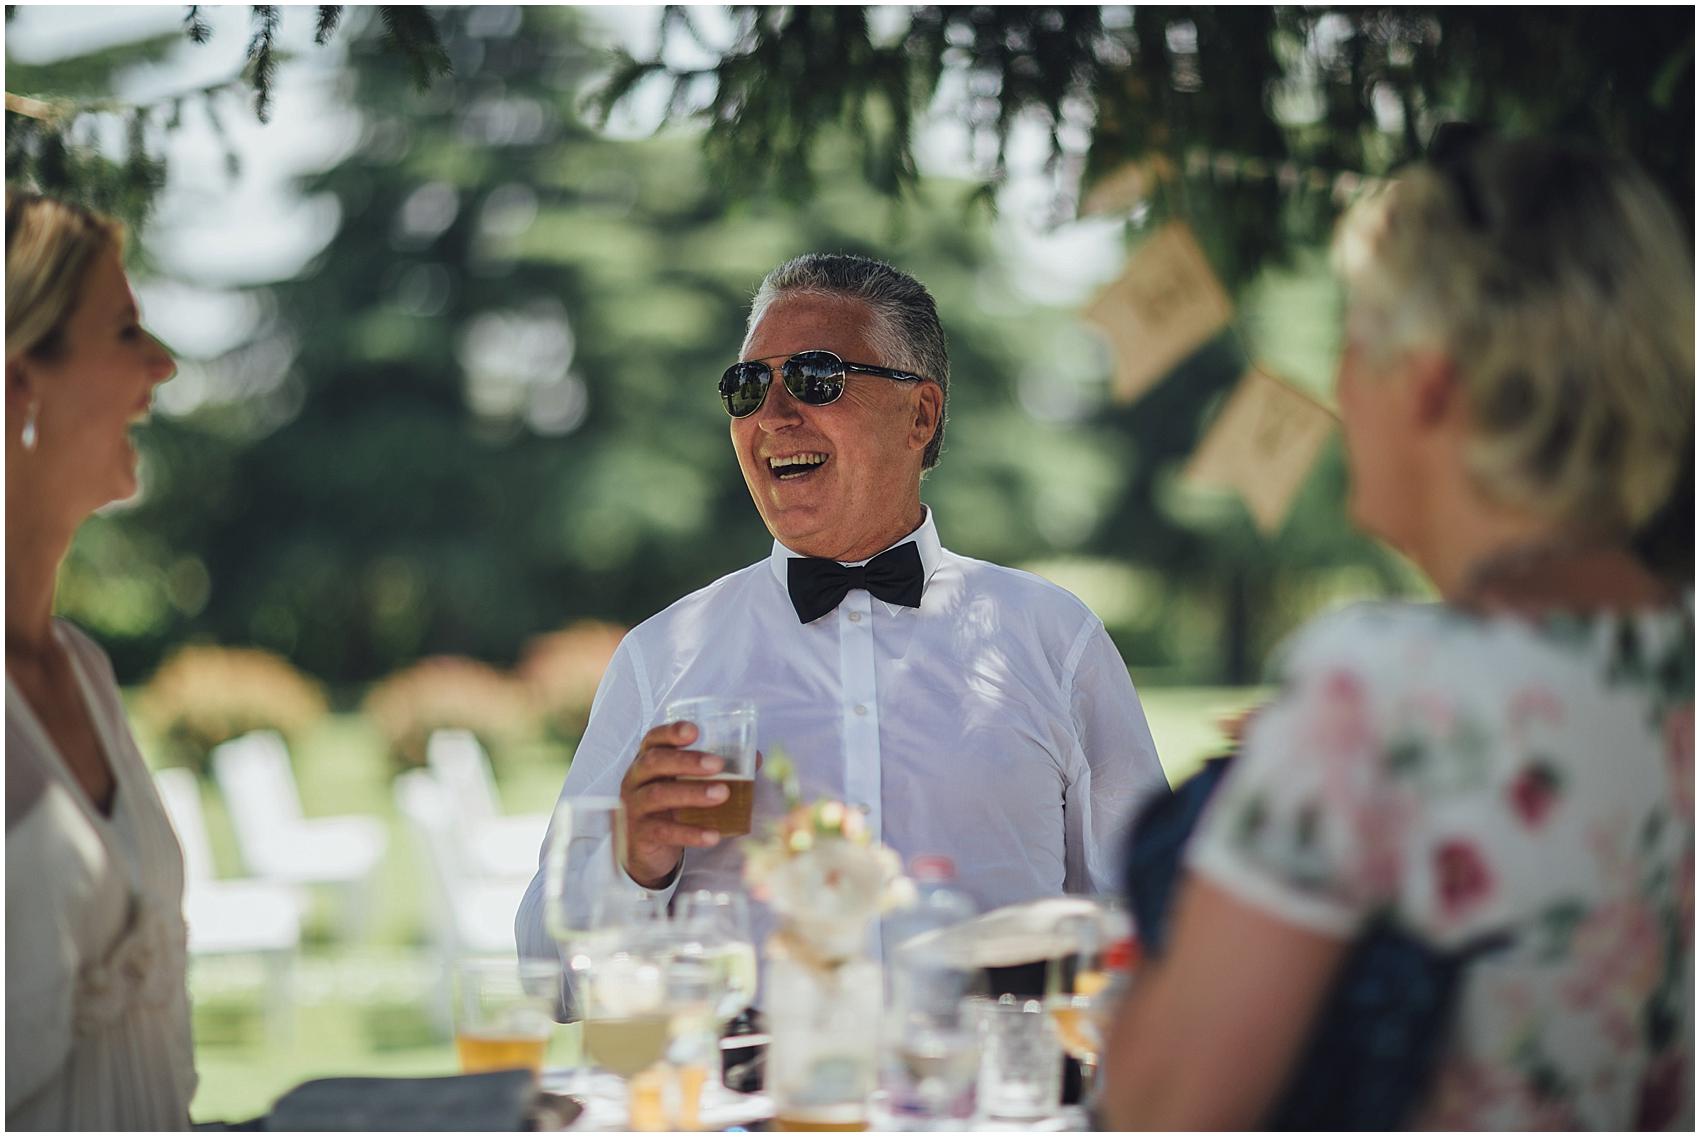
x: 605, y: 1108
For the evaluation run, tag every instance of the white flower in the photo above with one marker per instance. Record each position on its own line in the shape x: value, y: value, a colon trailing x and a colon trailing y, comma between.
x: 828, y: 894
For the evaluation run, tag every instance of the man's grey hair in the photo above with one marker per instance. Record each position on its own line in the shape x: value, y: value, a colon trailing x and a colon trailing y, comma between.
x: 905, y: 331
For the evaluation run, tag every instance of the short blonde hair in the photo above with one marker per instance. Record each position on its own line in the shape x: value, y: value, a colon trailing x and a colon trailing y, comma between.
x: 50, y: 245
x: 1559, y: 282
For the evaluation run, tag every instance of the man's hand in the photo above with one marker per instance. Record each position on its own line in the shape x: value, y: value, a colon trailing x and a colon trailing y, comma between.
x: 651, y: 791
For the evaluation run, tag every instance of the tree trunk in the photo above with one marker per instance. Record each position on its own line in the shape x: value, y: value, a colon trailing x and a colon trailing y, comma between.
x: 1238, y: 668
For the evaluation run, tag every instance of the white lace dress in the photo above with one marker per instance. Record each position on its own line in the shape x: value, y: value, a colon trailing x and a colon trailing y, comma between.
x: 97, y: 1009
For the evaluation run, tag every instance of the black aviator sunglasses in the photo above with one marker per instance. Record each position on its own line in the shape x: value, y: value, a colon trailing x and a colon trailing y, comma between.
x: 815, y: 377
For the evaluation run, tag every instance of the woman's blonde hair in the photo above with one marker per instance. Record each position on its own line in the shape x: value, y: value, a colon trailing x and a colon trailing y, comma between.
x: 1560, y: 284
x: 50, y: 245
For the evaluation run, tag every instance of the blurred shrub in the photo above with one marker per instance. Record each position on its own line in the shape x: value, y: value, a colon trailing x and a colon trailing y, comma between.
x: 562, y: 669
x: 203, y: 695
x: 449, y: 691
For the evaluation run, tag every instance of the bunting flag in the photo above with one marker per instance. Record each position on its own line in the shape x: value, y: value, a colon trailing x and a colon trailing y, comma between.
x: 1123, y: 189
x: 1262, y: 445
x: 1163, y: 307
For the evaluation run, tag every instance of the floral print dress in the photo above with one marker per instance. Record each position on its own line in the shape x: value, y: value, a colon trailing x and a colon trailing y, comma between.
x: 1496, y: 781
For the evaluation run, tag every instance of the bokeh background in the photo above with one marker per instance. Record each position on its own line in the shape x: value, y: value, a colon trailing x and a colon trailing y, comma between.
x: 445, y: 420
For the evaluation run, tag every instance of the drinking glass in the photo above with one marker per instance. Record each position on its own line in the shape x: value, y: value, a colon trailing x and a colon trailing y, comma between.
x: 504, y: 1013
x: 931, y: 1055
x: 622, y: 992
x: 726, y: 727
x: 720, y: 921
x: 587, y: 842
x: 1078, y: 988
x: 646, y: 1000
x: 1021, y: 1060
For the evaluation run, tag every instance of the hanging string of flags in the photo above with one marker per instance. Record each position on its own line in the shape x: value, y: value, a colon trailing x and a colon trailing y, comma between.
x: 1343, y: 184
x: 1167, y: 304
x: 1137, y: 180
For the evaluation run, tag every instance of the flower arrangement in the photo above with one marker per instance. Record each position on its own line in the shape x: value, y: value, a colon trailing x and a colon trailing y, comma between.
x: 448, y: 691
x: 823, y: 874
x: 204, y: 694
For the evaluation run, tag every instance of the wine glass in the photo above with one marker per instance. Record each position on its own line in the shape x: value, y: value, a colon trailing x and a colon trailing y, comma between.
x: 587, y: 841
x: 582, y: 906
x: 1078, y: 987
x: 720, y: 922
x: 646, y: 999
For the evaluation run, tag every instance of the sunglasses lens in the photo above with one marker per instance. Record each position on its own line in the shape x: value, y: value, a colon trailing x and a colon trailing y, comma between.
x: 814, y: 377
x: 743, y: 387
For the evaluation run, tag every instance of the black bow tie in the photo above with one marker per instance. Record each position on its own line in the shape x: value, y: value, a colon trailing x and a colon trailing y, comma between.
x: 817, y: 584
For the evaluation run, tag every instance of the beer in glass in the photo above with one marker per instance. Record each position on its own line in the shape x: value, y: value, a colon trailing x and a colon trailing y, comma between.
x: 726, y: 727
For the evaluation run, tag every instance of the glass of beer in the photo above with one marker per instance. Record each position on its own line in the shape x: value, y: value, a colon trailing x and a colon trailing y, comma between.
x: 726, y: 727
x: 504, y: 1012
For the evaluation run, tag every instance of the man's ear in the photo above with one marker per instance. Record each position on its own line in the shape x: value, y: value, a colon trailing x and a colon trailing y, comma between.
x: 929, y: 408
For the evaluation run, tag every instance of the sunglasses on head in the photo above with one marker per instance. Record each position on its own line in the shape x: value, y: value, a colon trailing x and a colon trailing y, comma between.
x: 1450, y: 151
x: 814, y: 377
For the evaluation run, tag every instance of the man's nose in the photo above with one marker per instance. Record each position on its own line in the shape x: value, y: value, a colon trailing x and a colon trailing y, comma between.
x: 779, y: 410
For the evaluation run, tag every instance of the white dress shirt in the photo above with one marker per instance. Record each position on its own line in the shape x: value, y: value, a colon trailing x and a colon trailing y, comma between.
x: 995, y: 724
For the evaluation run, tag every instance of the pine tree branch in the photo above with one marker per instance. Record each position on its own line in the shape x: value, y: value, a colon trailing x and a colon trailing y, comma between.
x: 197, y: 28
x: 329, y: 16
x: 625, y: 74
x: 413, y: 32
x: 262, y: 58
x: 52, y: 143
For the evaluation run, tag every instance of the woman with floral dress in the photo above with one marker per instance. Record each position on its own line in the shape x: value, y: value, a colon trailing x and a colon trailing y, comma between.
x: 1513, y: 766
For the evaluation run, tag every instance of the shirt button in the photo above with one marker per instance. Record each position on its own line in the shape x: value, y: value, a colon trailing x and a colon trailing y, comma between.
x: 861, y: 708
x: 855, y: 617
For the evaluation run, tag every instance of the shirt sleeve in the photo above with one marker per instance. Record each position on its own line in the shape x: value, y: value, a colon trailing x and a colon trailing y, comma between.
x: 1306, y: 826
x: 1116, y: 769
x: 619, y: 716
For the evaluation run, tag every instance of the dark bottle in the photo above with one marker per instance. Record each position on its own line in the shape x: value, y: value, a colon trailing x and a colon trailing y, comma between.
x: 743, y: 1052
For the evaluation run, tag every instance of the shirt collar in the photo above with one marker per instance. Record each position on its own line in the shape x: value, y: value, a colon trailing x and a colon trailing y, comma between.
x: 925, y: 536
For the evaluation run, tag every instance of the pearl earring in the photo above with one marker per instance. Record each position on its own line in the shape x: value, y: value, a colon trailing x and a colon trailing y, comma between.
x: 29, y: 435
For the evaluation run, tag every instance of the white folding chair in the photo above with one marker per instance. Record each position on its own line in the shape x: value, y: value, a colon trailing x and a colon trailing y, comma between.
x: 279, y: 844
x: 470, y: 914
x: 493, y: 844
x: 232, y: 917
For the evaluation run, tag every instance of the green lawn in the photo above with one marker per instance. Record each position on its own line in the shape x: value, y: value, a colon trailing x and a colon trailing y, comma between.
x: 366, y: 1008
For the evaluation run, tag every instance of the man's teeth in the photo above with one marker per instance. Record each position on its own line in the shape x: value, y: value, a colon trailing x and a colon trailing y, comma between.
x: 794, y: 464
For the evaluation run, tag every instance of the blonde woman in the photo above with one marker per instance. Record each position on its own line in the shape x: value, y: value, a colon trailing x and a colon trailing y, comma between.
x: 97, y: 1016
x: 1513, y: 766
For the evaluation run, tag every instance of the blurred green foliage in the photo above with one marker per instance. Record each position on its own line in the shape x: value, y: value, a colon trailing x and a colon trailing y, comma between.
x: 485, y: 411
